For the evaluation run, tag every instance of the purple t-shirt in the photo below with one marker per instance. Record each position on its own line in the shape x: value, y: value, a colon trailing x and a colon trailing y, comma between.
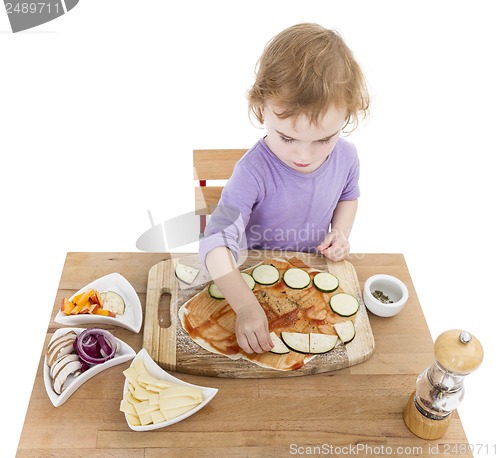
x: 268, y: 205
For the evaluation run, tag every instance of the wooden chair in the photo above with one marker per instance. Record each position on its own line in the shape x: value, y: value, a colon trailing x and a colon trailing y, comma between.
x: 211, y: 164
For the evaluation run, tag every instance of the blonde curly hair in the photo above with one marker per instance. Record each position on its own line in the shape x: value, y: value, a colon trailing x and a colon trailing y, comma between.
x: 304, y: 70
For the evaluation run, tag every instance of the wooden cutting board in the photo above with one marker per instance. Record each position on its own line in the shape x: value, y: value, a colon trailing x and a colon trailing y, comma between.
x: 173, y: 349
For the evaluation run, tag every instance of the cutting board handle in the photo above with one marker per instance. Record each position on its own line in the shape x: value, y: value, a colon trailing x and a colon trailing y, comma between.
x: 161, y: 280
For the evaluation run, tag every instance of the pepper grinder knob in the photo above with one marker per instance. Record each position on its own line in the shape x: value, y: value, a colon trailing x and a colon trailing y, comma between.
x: 458, y: 352
x: 439, y: 389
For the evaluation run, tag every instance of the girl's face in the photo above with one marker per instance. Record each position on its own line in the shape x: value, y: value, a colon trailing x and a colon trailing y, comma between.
x: 302, y: 145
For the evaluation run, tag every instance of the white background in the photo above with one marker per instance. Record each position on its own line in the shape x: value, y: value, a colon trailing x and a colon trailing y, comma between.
x: 101, y: 109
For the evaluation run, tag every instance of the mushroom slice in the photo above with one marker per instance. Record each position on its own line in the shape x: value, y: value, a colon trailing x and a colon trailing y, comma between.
x: 62, y: 375
x: 61, y: 361
x: 60, y: 347
x: 59, y: 339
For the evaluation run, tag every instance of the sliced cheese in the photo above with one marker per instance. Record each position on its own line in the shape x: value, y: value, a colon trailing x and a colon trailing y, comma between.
x: 146, y: 380
x: 141, y: 393
x: 130, y: 399
x: 126, y: 407
x: 174, y: 403
x: 157, y: 416
x: 131, y: 389
x: 181, y: 390
x: 144, y: 407
x: 154, y: 388
x: 130, y: 373
x: 139, y: 367
x: 154, y: 399
x: 145, y: 419
x: 172, y: 413
x: 133, y: 419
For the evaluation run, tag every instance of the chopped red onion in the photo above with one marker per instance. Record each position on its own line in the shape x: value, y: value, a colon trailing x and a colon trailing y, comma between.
x: 95, y: 346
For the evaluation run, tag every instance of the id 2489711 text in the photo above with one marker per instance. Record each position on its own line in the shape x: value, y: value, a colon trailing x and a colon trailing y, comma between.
x: 32, y: 8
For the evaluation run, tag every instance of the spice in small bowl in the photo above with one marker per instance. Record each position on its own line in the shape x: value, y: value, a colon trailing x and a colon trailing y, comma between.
x: 380, y: 296
x: 385, y: 295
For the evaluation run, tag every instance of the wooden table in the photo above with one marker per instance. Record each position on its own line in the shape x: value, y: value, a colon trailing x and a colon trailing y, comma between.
x: 355, y: 411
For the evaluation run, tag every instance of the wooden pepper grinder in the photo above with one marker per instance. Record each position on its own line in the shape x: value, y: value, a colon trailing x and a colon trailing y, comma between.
x: 440, y: 389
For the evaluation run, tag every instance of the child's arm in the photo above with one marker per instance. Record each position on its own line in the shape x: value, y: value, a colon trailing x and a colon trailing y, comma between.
x: 252, y: 327
x: 336, y: 246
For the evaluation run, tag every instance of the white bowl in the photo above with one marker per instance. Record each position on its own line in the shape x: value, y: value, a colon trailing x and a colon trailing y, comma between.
x: 131, y: 319
x: 156, y: 371
x: 123, y: 353
x: 392, y: 287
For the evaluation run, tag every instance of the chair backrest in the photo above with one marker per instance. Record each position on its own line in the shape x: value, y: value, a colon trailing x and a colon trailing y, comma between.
x: 212, y: 164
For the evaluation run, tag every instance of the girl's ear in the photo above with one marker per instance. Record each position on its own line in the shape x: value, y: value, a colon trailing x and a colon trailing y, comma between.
x: 261, y: 109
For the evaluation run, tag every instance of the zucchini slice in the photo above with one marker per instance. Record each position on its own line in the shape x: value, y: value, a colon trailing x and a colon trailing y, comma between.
x: 296, y: 341
x: 344, y: 304
x: 249, y: 280
x: 345, y: 330
x: 309, y: 343
x: 322, y: 343
x: 326, y: 282
x: 296, y: 278
x: 279, y: 347
x: 215, y: 292
x: 113, y: 302
x: 266, y: 274
x: 186, y: 274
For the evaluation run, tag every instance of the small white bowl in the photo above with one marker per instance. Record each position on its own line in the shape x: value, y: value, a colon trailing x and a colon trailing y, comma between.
x: 392, y: 287
x: 156, y: 371
x: 131, y: 319
x: 124, y: 353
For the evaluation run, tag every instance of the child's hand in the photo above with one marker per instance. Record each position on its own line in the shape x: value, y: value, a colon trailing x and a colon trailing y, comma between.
x: 252, y: 329
x: 335, y: 246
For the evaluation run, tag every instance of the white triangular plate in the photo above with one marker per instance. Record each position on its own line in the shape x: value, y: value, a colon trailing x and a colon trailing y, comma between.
x: 156, y: 371
x: 131, y: 319
x: 123, y: 354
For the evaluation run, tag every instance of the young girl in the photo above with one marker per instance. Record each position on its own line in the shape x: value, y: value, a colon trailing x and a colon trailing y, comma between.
x: 297, y: 188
